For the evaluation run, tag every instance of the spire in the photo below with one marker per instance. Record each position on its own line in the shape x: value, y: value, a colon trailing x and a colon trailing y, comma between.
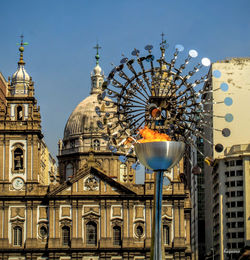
x: 97, y: 57
x: 20, y: 79
x: 163, y: 45
x: 21, y: 49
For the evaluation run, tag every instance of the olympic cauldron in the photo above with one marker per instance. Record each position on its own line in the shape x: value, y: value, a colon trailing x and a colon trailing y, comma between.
x: 158, y: 156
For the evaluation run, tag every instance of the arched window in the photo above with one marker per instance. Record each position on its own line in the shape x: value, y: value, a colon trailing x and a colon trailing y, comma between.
x: 66, y: 236
x: 96, y: 145
x: 91, y: 233
x: 43, y: 231
x: 166, y: 234
x: 19, y: 113
x: 139, y: 231
x: 18, y: 159
x: 69, y: 170
x: 117, y: 235
x: 18, y: 236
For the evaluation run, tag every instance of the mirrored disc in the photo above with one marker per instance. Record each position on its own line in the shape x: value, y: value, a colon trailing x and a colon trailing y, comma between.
x: 112, y: 149
x: 228, y: 101
x: 179, y: 47
x: 98, y: 111
x: 107, y: 114
x: 124, y: 60
x: 205, y: 62
x: 148, y: 170
x: 120, y: 67
x: 136, y: 166
x: 111, y: 74
x: 224, y: 86
x: 104, y: 94
x: 148, y: 47
x: 193, y: 53
x: 219, y: 148
x: 226, y: 132
x: 123, y: 158
x: 229, y: 117
x: 216, y: 73
x: 107, y: 103
x: 150, y: 58
x: 99, y: 124
x: 135, y: 52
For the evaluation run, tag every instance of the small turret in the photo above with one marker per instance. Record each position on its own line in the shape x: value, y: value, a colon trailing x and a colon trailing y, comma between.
x: 97, y: 77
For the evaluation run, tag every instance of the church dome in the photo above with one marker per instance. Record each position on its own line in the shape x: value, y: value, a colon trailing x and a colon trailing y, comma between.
x: 97, y: 70
x: 20, y: 75
x: 83, y: 118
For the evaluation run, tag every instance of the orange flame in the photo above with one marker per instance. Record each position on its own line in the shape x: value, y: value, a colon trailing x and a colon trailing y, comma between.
x: 152, y: 136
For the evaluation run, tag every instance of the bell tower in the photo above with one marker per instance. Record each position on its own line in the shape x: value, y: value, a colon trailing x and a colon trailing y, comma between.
x: 20, y: 132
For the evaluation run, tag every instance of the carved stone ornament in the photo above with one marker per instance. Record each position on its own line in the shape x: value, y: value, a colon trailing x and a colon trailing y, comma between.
x: 91, y: 184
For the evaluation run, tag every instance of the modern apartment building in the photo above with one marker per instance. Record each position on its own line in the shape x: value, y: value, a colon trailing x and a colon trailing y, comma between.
x: 227, y: 183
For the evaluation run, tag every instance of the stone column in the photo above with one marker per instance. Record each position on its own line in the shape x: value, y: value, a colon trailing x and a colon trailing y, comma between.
x: 6, y: 221
x: 28, y: 157
x: 34, y: 222
x: 102, y: 222
x: 176, y: 220
x: 1, y: 160
x: 108, y: 208
x: 187, y: 218
x: 36, y: 161
x: 131, y: 214
x: 28, y: 220
x: 75, y: 241
x: 182, y: 231
x: 51, y: 224
x: 148, y: 223
x: 73, y: 205
x: 7, y: 158
x: 79, y: 214
x: 57, y: 207
x: 125, y: 219
x: 1, y: 219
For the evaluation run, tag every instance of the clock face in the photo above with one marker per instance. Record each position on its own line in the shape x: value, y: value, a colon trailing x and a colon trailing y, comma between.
x: 18, y: 183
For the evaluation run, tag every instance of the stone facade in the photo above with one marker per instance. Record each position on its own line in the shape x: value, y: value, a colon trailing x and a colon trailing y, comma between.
x: 92, y: 209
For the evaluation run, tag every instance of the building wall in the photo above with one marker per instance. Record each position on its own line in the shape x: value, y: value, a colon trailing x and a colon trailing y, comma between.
x: 235, y: 73
x: 74, y: 207
x: 3, y: 90
x: 48, y: 168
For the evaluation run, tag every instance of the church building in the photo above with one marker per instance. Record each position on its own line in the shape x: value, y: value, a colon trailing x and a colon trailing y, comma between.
x: 90, y: 208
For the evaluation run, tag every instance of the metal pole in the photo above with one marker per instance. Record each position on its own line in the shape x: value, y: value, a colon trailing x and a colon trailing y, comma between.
x: 213, y: 252
x: 156, y: 243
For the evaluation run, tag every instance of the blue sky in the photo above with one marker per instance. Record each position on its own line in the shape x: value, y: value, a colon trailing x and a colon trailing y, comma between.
x: 62, y: 33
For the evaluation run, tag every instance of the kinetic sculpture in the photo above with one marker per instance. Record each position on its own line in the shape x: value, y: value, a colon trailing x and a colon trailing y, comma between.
x: 164, y: 103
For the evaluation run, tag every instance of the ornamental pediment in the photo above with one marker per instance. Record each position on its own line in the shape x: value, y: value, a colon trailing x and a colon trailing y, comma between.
x: 91, y: 181
x: 91, y: 216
